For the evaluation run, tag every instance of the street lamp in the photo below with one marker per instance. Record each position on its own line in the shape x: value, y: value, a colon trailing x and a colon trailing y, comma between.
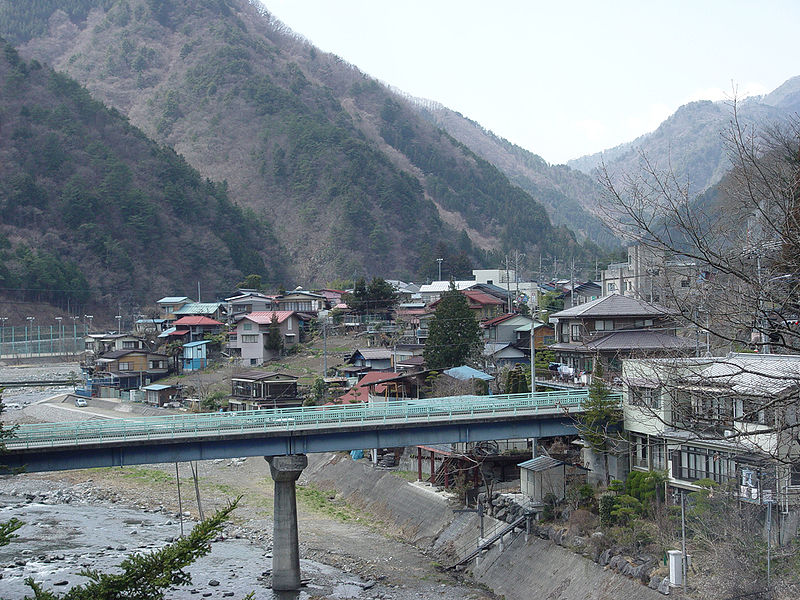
x: 90, y: 317
x: 119, y: 323
x: 439, y: 260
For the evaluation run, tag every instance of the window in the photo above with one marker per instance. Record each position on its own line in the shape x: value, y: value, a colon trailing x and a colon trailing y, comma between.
x: 576, y: 333
x: 643, y: 323
x: 90, y: 345
x: 252, y: 361
x: 247, y: 326
x: 129, y: 345
x: 612, y: 287
x: 684, y: 283
x: 691, y: 463
x: 644, y: 396
x: 249, y: 338
x: 124, y: 366
x: 564, y: 337
x: 794, y: 477
x: 604, y: 325
x: 156, y: 364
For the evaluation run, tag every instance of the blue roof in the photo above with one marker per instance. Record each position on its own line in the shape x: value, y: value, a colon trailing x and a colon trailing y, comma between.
x: 156, y: 387
x: 194, y: 344
x: 465, y: 372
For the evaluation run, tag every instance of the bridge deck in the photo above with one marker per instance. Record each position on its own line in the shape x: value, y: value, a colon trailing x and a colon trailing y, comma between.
x: 271, y: 432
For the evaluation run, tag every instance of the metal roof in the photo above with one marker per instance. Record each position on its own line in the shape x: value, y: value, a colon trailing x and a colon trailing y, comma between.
x: 463, y: 373
x: 198, y: 308
x: 173, y: 299
x: 541, y: 463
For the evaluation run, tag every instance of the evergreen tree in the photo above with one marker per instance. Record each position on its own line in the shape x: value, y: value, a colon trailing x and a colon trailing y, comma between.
x: 601, y: 418
x: 274, y: 339
x: 454, y: 337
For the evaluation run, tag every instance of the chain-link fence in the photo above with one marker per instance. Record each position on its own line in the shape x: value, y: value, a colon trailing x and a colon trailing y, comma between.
x: 26, y: 342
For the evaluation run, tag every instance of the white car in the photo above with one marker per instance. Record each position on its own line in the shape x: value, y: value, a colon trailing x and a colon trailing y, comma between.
x: 80, y: 402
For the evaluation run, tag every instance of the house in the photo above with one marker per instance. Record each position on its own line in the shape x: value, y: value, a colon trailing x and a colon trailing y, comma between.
x: 543, y: 475
x: 506, y: 328
x: 612, y: 328
x: 195, y: 356
x: 370, y: 359
x: 169, y: 304
x: 484, y: 306
x: 211, y: 310
x: 378, y: 386
x: 196, y: 328
x: 145, y: 326
x: 248, y: 301
x: 301, y: 301
x: 498, y: 355
x: 583, y: 293
x: 159, y: 394
x: 248, y: 341
x: 132, y: 368
x: 98, y: 344
x: 332, y: 297
x: 431, y: 292
x: 728, y: 419
x: 253, y: 390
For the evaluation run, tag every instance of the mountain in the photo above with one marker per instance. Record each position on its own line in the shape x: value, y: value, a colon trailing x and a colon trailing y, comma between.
x: 91, y: 209
x: 569, y: 196
x: 353, y: 179
x: 692, y: 142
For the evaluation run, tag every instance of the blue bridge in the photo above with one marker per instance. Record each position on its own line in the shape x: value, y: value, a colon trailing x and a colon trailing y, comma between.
x: 284, y: 437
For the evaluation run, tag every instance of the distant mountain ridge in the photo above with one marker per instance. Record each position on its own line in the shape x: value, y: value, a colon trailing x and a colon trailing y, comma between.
x: 352, y: 178
x: 691, y: 142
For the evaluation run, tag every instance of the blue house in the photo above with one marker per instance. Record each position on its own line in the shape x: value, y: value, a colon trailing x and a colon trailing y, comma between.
x: 194, y: 356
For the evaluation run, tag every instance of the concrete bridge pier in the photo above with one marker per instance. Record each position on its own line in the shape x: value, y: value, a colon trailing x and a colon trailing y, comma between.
x: 285, y: 548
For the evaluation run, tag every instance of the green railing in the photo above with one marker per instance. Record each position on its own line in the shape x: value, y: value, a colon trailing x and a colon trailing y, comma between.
x: 291, y: 419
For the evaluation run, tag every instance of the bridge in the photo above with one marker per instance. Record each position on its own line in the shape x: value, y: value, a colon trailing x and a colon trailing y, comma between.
x: 284, y: 436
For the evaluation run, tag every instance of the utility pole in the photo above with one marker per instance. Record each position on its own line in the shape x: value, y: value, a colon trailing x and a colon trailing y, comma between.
x: 534, y: 306
x: 508, y: 287
x: 439, y: 261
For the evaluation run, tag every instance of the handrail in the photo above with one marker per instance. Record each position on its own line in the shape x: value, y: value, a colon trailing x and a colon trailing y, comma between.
x: 295, y: 418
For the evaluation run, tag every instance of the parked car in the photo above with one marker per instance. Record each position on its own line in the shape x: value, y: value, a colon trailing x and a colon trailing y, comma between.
x: 80, y: 402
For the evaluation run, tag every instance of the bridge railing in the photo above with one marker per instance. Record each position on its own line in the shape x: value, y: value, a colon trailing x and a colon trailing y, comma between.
x: 289, y: 419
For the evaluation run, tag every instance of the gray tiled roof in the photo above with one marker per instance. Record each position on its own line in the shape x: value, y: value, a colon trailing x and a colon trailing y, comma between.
x: 640, y: 339
x: 614, y: 305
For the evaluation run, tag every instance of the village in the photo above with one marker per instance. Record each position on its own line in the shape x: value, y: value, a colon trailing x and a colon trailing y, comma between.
x: 682, y: 407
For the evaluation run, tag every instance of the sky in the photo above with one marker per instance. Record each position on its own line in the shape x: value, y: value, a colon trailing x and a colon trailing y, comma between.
x: 559, y: 78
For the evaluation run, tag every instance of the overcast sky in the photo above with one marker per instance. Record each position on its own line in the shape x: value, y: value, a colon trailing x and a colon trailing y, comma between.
x: 560, y: 78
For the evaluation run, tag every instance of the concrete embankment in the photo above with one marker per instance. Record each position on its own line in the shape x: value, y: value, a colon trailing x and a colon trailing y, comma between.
x: 536, y: 569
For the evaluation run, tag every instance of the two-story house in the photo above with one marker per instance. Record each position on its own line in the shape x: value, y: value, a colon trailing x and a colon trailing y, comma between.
x: 196, y: 328
x: 301, y: 301
x: 131, y: 369
x: 249, y: 301
x: 211, y: 310
x: 248, y: 342
x: 727, y: 419
x: 169, y: 304
x: 612, y: 328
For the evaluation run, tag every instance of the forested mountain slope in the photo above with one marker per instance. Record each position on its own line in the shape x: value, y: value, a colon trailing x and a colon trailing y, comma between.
x: 90, y: 208
x: 353, y: 179
x: 570, y: 197
x: 692, y: 141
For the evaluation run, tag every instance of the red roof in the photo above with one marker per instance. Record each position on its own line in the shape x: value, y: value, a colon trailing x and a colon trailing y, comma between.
x: 265, y: 317
x: 481, y: 297
x: 196, y: 321
x: 360, y: 391
x: 497, y: 320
